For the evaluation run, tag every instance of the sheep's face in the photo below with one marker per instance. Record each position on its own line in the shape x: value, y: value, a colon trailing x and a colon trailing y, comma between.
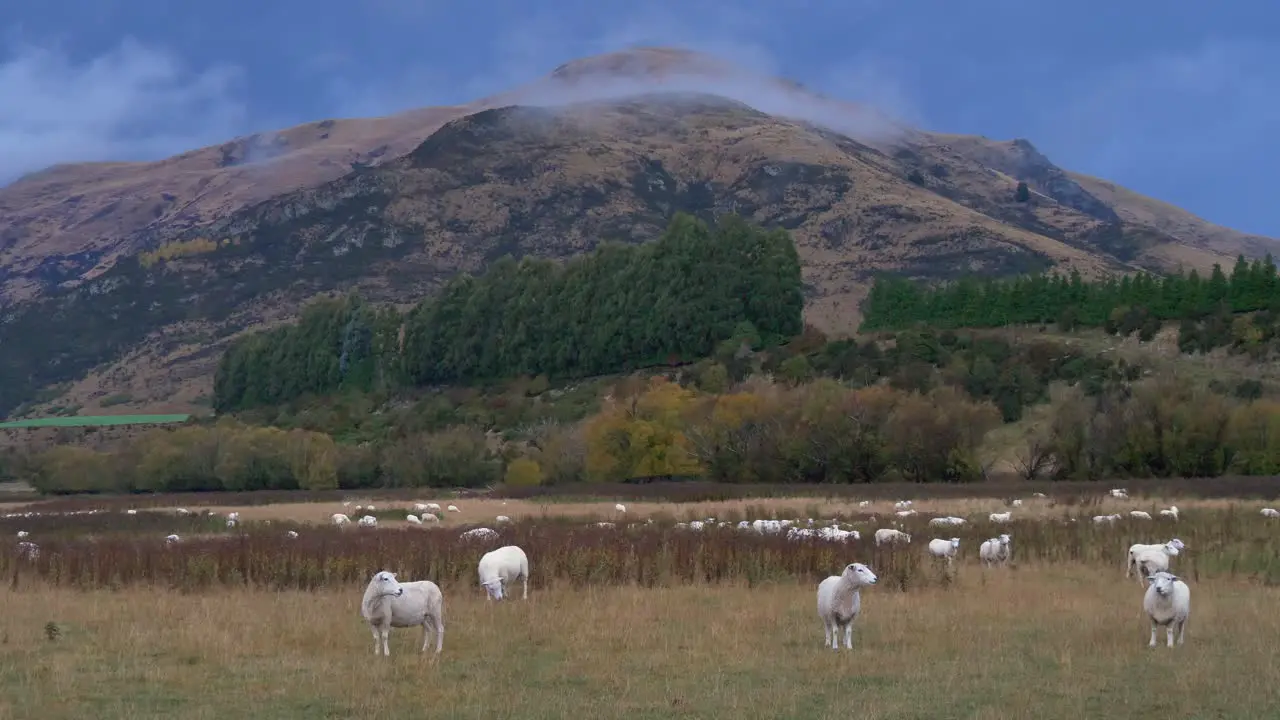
x: 1176, y: 543
x: 955, y: 542
x: 860, y: 574
x: 1163, y: 583
x: 494, y: 588
x: 1005, y: 539
x: 387, y: 584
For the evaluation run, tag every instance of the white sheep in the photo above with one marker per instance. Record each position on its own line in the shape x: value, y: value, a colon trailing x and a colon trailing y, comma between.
x: 419, y: 507
x: 23, y: 533
x: 453, y: 508
x: 389, y: 603
x: 369, y: 508
x: 902, y: 505
x: 891, y: 535
x: 131, y: 512
x: 1148, y: 559
x: 428, y: 518
x: 292, y: 534
x: 233, y: 516
x: 182, y: 511
x: 864, y: 503
x: 995, y: 551
x: 1106, y: 519
x: 339, y: 519
x: 1270, y: 512
x: 944, y: 548
x: 905, y: 513
x: 1139, y: 515
x: 480, y: 533
x: 367, y: 521
x: 1119, y: 493
x: 171, y: 539
x: 946, y: 521
x: 1016, y: 503
x: 620, y: 508
x: 839, y: 603
x: 502, y: 519
x: 1168, y: 603
x: 1170, y: 512
x: 499, y: 568
x: 412, y: 519
x: 1001, y: 518
x: 433, y: 507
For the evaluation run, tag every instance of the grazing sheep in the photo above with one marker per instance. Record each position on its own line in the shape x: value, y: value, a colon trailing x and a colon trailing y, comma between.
x: 620, y: 508
x: 1168, y: 603
x: 1001, y: 518
x: 432, y: 507
x: 501, y: 567
x: 1119, y: 493
x: 1016, y: 503
x: 502, y: 519
x: 171, y: 539
x: 902, y: 505
x: 233, y: 516
x: 412, y: 519
x: 367, y: 521
x: 480, y: 533
x: 1170, y: 512
x: 389, y: 603
x: 946, y: 521
x: 1139, y: 515
x: 1148, y: 559
x: 419, y: 507
x: 995, y: 551
x: 454, y: 508
x: 1270, y: 512
x: 1106, y: 519
x: 339, y: 519
x: 428, y: 518
x: 23, y: 533
x: 768, y: 527
x: 905, y: 513
x: 891, y: 535
x: 292, y: 534
x: 940, y: 548
x: 839, y: 602
x: 183, y: 511
x: 1039, y: 495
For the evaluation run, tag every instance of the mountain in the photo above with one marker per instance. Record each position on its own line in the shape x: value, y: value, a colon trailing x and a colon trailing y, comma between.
x: 121, y: 282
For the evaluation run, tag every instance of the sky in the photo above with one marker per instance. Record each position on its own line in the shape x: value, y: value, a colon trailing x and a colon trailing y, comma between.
x: 1174, y: 99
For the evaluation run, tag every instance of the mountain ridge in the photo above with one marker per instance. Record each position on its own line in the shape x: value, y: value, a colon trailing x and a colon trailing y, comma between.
x: 245, y: 231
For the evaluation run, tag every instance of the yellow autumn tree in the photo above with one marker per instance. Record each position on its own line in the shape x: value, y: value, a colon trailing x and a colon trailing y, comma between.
x: 642, y: 438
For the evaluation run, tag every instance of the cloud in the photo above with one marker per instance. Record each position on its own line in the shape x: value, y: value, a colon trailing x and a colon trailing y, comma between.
x: 131, y: 103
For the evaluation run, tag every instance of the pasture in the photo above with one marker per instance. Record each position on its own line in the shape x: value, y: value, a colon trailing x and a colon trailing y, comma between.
x: 643, y: 619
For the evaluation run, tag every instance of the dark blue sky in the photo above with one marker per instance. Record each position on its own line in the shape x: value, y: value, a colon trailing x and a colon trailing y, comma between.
x: 1174, y: 99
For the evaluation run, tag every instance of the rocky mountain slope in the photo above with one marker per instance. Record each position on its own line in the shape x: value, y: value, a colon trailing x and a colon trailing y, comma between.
x: 119, y: 282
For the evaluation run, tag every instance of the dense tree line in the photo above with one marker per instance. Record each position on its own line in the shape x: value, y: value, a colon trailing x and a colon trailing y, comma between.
x: 621, y: 307
x: 1140, y: 303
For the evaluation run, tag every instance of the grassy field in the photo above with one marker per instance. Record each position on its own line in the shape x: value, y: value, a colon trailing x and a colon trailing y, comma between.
x: 1032, y: 642
x: 644, y: 620
x: 94, y: 421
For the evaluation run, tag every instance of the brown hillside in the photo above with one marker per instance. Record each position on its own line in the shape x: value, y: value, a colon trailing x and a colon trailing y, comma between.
x: 395, y: 205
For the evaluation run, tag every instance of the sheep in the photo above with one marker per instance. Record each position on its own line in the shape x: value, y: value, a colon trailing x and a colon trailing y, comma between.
x: 130, y: 512
x: 292, y: 534
x: 995, y: 551
x: 498, y: 568
x: 1148, y: 559
x: 369, y: 508
x: 1139, y: 515
x: 1001, y: 518
x: 502, y: 519
x: 1168, y: 603
x: 1105, y: 519
x: 905, y: 513
x: 620, y: 508
x: 389, y: 603
x: 946, y: 521
x: 1016, y: 503
x: 1039, y: 495
x: 231, y: 523
x: 940, y: 548
x: 182, y: 511
x: 428, y: 518
x: 864, y: 503
x: 412, y: 519
x: 367, y: 521
x: 171, y: 539
x: 480, y: 533
x: 28, y: 550
x: 902, y: 505
x: 432, y: 507
x: 419, y: 507
x: 890, y: 535
x: 1270, y: 512
x: 839, y: 603
x: 1170, y: 512
x: 23, y: 533
x: 233, y: 516
x: 1119, y: 493
x: 453, y: 508
x: 339, y: 519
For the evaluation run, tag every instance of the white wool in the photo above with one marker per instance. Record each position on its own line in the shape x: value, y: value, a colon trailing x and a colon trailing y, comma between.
x: 1106, y: 519
x: 620, y: 508
x: 902, y: 505
x: 183, y: 511
x: 412, y: 519
x: 171, y: 539
x: 233, y: 516
x: 389, y: 603
x: 454, y: 508
x: 891, y: 535
x: 1139, y: 515
x: 432, y: 507
x: 905, y: 513
x: 130, y: 512
x: 864, y: 503
x: 946, y: 521
x: 428, y: 518
x: 1016, y: 503
x: 1170, y: 512
x: 605, y: 524
x: 1039, y: 495
x: 339, y: 519
x: 840, y: 602
x: 1168, y: 603
x: 1119, y: 493
x: 369, y: 508
x: 499, y: 568
x: 28, y: 550
x: 22, y: 534
x: 1270, y: 512
x: 944, y: 548
x: 768, y: 526
x: 1151, y: 558
x: 419, y: 507
x: 367, y: 521
x: 996, y: 551
x: 1003, y: 517
x: 480, y: 533
x: 292, y: 534
x: 502, y: 519
x: 231, y: 522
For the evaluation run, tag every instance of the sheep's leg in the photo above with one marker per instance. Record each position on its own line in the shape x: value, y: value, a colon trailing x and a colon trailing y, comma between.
x: 826, y: 632
x: 426, y: 634
x: 526, y: 587
x: 1169, y: 634
x: 1153, y: 636
x: 386, y: 644
x: 439, y: 635
x: 848, y: 636
x: 1182, y: 631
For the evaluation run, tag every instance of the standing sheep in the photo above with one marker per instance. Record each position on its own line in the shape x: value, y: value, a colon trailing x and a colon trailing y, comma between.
x: 390, y: 603
x: 839, y: 603
x: 1168, y: 603
x: 1151, y: 557
x: 501, y: 567
x: 891, y: 535
x: 995, y: 551
x: 1003, y: 517
x: 1270, y: 513
x: 940, y: 548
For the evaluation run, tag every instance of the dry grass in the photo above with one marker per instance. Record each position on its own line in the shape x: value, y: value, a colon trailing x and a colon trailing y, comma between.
x: 1032, y: 642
